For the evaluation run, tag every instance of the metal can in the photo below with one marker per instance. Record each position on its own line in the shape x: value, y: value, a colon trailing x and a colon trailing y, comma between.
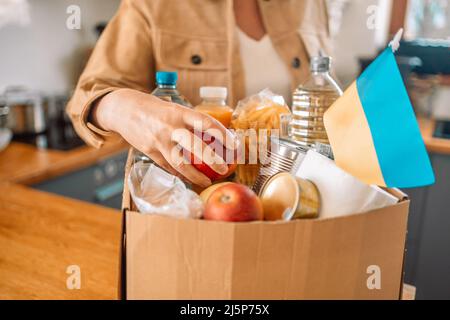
x: 284, y: 156
x: 286, y: 197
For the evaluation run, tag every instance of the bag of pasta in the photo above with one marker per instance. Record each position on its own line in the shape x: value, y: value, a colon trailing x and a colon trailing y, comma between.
x: 261, y: 113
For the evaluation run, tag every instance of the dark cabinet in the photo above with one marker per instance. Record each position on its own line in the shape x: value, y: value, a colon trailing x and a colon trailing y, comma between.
x: 427, y: 262
x: 101, y: 183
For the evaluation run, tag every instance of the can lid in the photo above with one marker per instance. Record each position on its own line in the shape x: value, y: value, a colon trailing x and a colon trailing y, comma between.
x: 166, y: 78
x: 280, y: 196
x: 214, y: 92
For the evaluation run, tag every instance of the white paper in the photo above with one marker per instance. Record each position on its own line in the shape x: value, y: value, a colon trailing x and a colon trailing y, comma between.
x: 340, y: 193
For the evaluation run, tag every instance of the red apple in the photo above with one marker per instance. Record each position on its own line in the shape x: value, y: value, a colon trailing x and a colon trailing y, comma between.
x: 205, y: 194
x: 234, y: 203
x: 206, y: 170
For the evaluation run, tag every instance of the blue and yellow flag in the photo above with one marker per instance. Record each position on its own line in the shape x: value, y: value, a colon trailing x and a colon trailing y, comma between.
x: 373, y: 130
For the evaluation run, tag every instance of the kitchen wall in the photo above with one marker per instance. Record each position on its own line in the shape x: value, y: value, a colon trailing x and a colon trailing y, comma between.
x: 45, y: 55
x: 360, y: 35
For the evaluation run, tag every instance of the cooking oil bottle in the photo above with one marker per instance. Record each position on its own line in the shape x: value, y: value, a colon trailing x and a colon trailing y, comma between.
x: 310, y: 101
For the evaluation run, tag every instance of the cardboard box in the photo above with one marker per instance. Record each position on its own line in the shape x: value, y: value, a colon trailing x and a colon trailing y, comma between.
x: 359, y: 256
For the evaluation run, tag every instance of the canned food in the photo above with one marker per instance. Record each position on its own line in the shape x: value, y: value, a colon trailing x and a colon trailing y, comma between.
x: 285, y: 197
x: 285, y: 156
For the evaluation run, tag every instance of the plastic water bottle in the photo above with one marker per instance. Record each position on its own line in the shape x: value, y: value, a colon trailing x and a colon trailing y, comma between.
x: 310, y: 101
x: 166, y: 89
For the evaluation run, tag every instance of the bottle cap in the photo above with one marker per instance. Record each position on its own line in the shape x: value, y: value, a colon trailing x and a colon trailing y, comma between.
x: 213, y: 92
x: 320, y: 64
x: 166, y: 78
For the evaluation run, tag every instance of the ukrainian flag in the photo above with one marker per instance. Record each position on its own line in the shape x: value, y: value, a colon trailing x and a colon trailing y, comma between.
x: 373, y: 130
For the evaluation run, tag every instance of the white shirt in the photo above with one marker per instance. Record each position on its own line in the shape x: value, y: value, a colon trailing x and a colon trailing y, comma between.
x: 263, y: 67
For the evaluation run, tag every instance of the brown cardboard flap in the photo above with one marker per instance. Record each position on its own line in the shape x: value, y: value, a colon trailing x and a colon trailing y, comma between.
x: 399, y: 194
x: 126, y: 197
x: 122, y: 294
x: 126, y: 205
x: 408, y: 292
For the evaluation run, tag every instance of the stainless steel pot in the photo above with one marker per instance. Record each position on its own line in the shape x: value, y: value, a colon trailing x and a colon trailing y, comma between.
x: 4, y: 111
x: 26, y: 111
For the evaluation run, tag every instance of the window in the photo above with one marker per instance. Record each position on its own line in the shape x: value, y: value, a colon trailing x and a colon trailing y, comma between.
x: 428, y: 19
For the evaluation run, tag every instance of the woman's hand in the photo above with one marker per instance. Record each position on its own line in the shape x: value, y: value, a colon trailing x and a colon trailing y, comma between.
x: 158, y: 129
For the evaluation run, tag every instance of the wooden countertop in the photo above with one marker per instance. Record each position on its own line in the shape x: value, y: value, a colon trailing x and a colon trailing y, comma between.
x: 25, y: 164
x: 434, y: 145
x: 42, y: 234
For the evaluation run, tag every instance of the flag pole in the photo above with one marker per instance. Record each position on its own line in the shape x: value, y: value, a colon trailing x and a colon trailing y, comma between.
x: 395, y: 43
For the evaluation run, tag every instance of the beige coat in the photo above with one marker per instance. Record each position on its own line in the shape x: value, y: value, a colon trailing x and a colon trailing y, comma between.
x: 196, y: 38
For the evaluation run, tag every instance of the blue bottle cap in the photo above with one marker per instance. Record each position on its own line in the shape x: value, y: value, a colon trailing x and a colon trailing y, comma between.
x: 166, y: 78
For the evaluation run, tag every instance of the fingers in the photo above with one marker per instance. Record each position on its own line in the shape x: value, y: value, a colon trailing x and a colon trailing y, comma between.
x: 180, y: 170
x: 201, y: 151
x: 204, y: 123
x: 176, y: 160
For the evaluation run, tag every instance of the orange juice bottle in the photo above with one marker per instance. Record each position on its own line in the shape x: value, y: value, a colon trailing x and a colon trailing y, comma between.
x: 214, y: 104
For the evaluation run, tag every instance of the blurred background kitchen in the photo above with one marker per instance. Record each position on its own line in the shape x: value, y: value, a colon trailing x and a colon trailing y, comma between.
x: 41, y: 59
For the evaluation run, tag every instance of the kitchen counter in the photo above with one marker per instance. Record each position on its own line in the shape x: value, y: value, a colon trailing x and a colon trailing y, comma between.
x: 25, y: 164
x: 434, y: 145
x: 41, y: 235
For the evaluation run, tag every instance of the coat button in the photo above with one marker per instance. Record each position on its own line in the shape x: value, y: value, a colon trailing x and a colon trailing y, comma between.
x: 296, y: 63
x: 196, y: 59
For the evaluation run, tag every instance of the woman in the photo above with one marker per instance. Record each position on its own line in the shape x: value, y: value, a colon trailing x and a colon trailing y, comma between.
x: 244, y: 45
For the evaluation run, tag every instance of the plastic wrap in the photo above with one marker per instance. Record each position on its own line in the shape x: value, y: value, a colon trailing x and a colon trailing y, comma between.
x: 154, y: 191
x: 258, y: 112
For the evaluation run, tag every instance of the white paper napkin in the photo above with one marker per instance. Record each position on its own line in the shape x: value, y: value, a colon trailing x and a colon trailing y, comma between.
x: 340, y: 193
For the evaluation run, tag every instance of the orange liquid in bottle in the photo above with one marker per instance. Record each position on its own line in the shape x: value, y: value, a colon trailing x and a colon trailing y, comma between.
x: 220, y: 113
x: 214, y: 104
